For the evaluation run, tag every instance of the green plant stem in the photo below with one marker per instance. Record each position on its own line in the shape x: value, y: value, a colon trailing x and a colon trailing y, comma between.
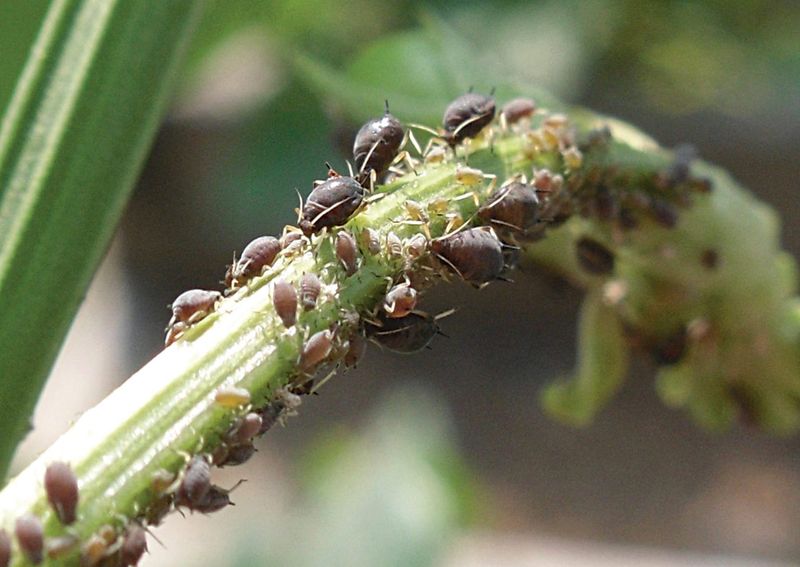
x: 168, y: 409
x: 71, y: 145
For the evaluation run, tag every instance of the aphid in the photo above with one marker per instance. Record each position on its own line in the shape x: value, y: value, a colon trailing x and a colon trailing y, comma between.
x: 284, y: 297
x: 466, y: 116
x: 133, y: 546
x: 346, y: 252
x: 371, y: 240
x: 475, y: 254
x: 196, y: 482
x: 513, y: 206
x: 258, y: 254
x: 400, y: 301
x: 515, y: 110
x: 470, y: 176
x: 331, y: 203
x: 30, y: 536
x: 378, y: 143
x: 61, y: 488
x: 415, y: 246
x: 5, y: 548
x: 189, y: 308
x: 355, y: 350
x: 58, y: 547
x: 214, y: 500
x: 93, y: 550
x: 285, y: 402
x: 415, y: 210
x: 594, y: 257
x: 316, y: 349
x: 438, y: 205
x: 664, y: 213
x: 394, y: 246
x: 238, y: 454
x: 435, y: 155
x: 289, y: 237
x: 310, y: 287
x: 406, y: 335
x: 231, y: 397
x: 248, y: 427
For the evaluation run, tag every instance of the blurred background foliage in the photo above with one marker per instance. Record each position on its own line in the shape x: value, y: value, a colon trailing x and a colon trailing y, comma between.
x: 461, y: 469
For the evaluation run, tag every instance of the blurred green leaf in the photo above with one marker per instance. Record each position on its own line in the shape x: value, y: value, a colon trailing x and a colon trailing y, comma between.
x: 19, y: 22
x: 71, y: 145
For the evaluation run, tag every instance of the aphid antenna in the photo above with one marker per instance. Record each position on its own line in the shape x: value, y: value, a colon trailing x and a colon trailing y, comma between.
x: 508, y: 246
x: 299, y: 210
x: 424, y: 128
x: 367, y: 158
x: 328, y: 210
x: 466, y: 123
x: 319, y: 384
x: 350, y: 168
x: 413, y: 139
x: 503, y: 279
x: 386, y: 106
x: 445, y: 314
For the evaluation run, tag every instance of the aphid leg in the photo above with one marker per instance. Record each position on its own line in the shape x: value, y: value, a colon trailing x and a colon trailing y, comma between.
x: 414, y: 142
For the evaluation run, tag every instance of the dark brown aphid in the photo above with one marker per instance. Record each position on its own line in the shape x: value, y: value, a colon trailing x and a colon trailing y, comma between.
x: 30, y: 536
x: 61, y: 488
x: 238, y: 454
x: 355, y: 350
x: 331, y: 203
x: 670, y: 350
x: 371, y: 240
x: 316, y: 349
x: 258, y: 254
x: 232, y: 397
x: 400, y: 301
x: 310, y: 287
x: 515, y: 110
x: 378, y: 143
x: 284, y: 297
x: 133, y: 546
x: 466, y: 116
x: 214, y: 500
x: 514, y: 206
x: 594, y: 257
x: 5, y: 549
x: 347, y: 252
x: 407, y: 335
x: 475, y: 254
x: 289, y: 237
x: 189, y: 308
x: 58, y: 547
x: 195, y: 484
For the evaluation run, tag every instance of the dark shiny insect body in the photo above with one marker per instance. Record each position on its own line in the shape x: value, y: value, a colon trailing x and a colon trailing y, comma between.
x: 316, y: 349
x: 466, y: 116
x: 475, y: 254
x: 377, y: 143
x: 514, y: 206
x: 594, y: 257
x: 214, y: 500
x: 331, y: 203
x: 284, y: 297
x: 406, y: 335
x: 30, y: 537
x: 188, y: 308
x: 238, y: 455
x: 5, y: 549
x: 259, y: 253
x: 310, y: 287
x: 195, y: 484
x: 515, y: 110
x: 133, y: 547
x: 61, y: 488
x: 347, y: 252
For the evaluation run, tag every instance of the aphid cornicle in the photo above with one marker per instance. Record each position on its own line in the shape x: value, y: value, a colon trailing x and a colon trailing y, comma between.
x: 406, y: 335
x: 331, y: 203
x: 475, y: 254
x: 347, y: 252
x: 466, y: 116
x: 594, y: 257
x: 377, y: 143
x: 5, y: 548
x: 30, y: 537
x: 514, y: 206
x: 310, y: 287
x: 133, y: 547
x: 259, y: 253
x: 61, y: 488
x: 515, y: 110
x: 188, y: 308
x: 284, y: 297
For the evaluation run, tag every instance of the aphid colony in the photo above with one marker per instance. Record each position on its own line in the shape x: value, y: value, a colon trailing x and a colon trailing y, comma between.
x: 517, y: 211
